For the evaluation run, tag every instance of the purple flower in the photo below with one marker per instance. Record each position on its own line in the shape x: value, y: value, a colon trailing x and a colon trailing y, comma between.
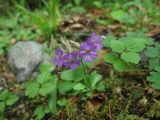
x: 71, y: 60
x: 88, y: 51
x: 58, y: 58
x: 96, y: 40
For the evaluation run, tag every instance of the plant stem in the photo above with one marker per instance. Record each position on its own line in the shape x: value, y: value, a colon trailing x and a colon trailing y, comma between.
x: 84, y: 71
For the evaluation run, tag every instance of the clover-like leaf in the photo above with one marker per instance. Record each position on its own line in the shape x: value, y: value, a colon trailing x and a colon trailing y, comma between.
x: 117, y: 46
x: 120, y: 65
x: 32, y: 89
x: 135, y: 44
x: 156, y: 85
x: 2, y: 106
x: 40, y: 111
x: 123, y: 17
x: 4, y: 94
x: 45, y: 74
x: 78, y: 74
x: 152, y: 52
x: 65, y: 86
x: 11, y: 99
x: 131, y: 57
x: 46, y: 88
x: 107, y: 40
x: 67, y: 75
x: 62, y: 102
x: 154, y: 78
x: 154, y: 62
x: 110, y: 58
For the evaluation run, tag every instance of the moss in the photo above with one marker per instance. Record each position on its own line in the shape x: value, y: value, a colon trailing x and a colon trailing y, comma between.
x: 154, y: 110
x: 71, y: 112
x: 134, y: 117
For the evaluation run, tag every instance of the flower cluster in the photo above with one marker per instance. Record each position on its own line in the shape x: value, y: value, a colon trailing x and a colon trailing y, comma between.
x: 87, y: 52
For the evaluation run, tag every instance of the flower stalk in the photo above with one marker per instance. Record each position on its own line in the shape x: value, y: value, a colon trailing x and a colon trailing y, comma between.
x: 84, y: 71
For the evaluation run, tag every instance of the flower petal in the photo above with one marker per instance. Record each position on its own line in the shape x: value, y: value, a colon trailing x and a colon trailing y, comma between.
x: 87, y: 58
x: 84, y: 46
x: 59, y: 52
x: 73, y: 66
x: 93, y: 54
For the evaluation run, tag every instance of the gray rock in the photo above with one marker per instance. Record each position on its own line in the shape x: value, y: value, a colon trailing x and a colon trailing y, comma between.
x: 24, y: 57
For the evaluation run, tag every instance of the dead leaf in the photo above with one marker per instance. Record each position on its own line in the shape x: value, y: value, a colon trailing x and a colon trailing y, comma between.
x: 153, y: 32
x: 100, y: 57
x: 96, y: 11
x: 96, y: 100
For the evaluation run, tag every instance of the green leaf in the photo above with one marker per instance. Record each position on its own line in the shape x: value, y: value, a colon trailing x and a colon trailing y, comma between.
x: 78, y: 74
x: 79, y: 86
x: 149, y: 40
x: 1, y: 51
x: 117, y: 46
x: 11, y: 99
x: 152, y: 52
x: 157, y: 69
x: 154, y: 62
x: 120, y: 65
x: 32, y: 89
x: 43, y: 77
x: 53, y: 79
x: 45, y: 67
x: 98, y: 4
x: 107, y: 40
x: 156, y: 85
x: 46, y: 88
x: 9, y: 23
x: 77, y: 2
x: 123, y: 17
x: 70, y: 75
x: 4, y: 94
x: 45, y: 74
x: 78, y: 9
x: 121, y: 115
x: 90, y: 64
x: 1, y: 116
x: 110, y: 58
x: 40, y: 111
x: 154, y: 77
x: 101, y: 86
x: 65, y: 86
x: 62, y: 102
x: 2, y: 106
x: 52, y: 102
x: 67, y: 75
x: 135, y: 44
x: 95, y: 78
x: 157, y: 45
x: 8, y: 97
x: 131, y: 57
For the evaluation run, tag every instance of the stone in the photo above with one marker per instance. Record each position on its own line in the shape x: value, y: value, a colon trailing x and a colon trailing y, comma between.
x: 24, y: 57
